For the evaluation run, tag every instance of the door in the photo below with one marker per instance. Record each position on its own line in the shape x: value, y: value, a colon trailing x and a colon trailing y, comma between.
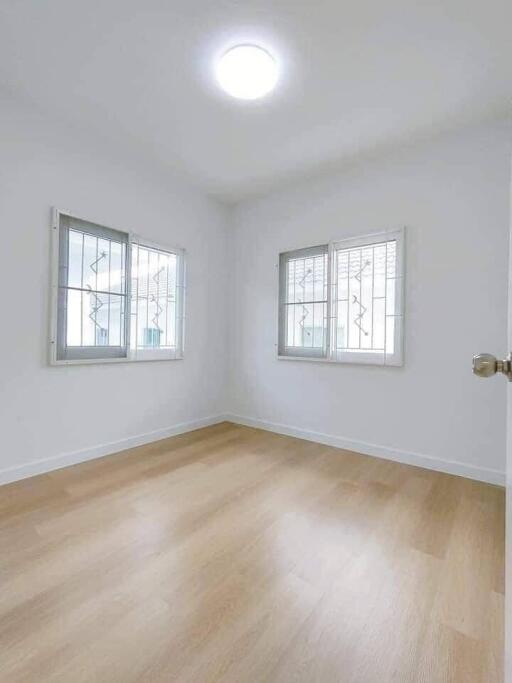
x: 508, y: 527
x: 508, y: 586
x: 508, y: 532
x: 486, y: 365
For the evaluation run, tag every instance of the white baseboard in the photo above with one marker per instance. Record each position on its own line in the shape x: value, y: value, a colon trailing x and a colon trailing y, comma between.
x: 428, y: 462
x: 56, y: 462
x: 30, y: 469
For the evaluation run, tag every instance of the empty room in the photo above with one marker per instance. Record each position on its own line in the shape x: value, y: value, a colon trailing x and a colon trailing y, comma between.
x: 256, y: 341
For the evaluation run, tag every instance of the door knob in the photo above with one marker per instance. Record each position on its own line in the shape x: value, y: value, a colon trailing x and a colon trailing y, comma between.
x: 486, y: 365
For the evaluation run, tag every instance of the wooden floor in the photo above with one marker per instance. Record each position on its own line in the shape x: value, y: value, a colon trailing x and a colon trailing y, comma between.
x: 232, y: 554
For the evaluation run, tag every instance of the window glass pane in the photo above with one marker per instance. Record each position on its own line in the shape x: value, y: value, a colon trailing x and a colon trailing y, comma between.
x: 390, y: 333
x: 306, y: 325
x: 379, y: 270
x: 92, y: 263
x: 304, y: 301
x: 95, y: 263
x: 316, y: 326
x: 103, y: 265
x: 379, y: 322
x: 117, y: 272
x: 89, y: 272
x: 342, y: 323
x: 306, y: 279
x: 154, y: 298
x: 94, y: 319
x: 75, y: 252
x: 365, y: 297
x: 391, y: 259
x: 74, y: 317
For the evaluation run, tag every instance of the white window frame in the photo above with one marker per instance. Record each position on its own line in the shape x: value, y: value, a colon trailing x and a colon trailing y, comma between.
x: 131, y: 354
x: 329, y: 354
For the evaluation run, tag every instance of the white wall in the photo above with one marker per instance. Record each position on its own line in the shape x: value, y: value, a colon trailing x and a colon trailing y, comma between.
x: 453, y: 196
x: 46, y: 411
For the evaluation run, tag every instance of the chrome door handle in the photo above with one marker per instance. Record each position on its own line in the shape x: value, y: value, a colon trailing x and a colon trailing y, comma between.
x: 486, y: 365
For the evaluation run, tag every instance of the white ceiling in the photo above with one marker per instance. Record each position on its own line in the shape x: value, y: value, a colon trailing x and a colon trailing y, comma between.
x: 356, y: 76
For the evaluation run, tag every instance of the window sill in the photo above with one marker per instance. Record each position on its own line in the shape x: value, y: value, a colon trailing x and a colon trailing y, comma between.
x: 377, y: 362
x: 102, y: 361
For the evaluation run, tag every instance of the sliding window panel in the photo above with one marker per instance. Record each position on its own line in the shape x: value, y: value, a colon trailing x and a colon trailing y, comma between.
x: 157, y: 308
x: 368, y: 299
x: 92, y: 297
x: 303, y: 302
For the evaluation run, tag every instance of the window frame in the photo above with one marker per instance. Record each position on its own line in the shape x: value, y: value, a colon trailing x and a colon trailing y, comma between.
x: 56, y: 320
x: 328, y: 353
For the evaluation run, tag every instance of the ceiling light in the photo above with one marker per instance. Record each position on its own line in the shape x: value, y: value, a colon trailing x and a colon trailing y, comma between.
x: 247, y: 72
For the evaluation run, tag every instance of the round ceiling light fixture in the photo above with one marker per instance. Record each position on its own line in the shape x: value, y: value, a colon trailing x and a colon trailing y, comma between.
x: 247, y: 72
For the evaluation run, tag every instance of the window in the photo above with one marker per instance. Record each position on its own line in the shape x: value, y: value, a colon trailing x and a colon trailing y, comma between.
x: 343, y: 301
x: 115, y: 296
x: 156, y: 301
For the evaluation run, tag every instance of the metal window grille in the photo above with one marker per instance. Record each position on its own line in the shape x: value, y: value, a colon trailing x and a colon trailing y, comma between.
x: 303, y: 301
x: 114, y: 297
x: 92, y: 291
x: 343, y: 301
x: 156, y: 295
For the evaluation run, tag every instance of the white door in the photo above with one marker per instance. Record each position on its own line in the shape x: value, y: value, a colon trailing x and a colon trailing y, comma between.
x: 508, y: 572
x: 508, y: 584
x: 486, y: 365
